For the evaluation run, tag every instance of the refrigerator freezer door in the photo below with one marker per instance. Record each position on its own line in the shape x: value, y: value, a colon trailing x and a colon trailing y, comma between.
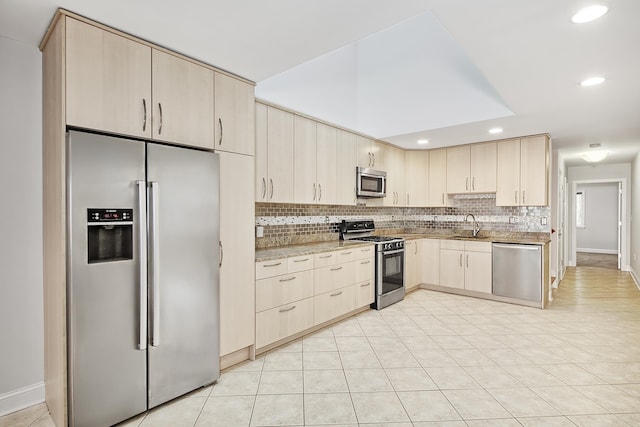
x: 107, y: 370
x: 517, y: 271
x: 183, y: 270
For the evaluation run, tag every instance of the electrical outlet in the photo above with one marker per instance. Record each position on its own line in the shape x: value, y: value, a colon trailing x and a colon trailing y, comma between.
x: 544, y: 220
x: 514, y: 220
x: 259, y: 231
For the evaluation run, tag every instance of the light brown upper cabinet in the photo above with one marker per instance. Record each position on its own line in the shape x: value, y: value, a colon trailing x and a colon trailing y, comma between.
x: 523, y: 171
x: 234, y: 109
x: 117, y: 85
x: 416, y: 178
x: 326, y: 152
x: 370, y: 153
x: 274, y: 155
x: 182, y: 101
x: 471, y: 168
x: 394, y: 166
x: 438, y: 177
x: 108, y: 82
x: 346, y: 148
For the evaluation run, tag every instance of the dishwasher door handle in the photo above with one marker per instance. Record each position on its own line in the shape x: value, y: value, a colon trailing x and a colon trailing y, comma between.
x: 525, y: 247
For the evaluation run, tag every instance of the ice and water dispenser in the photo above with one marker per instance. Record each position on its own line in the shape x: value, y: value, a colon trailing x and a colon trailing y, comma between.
x: 109, y: 234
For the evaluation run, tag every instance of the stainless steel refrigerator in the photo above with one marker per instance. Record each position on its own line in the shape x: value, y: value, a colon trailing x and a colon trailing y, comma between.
x: 142, y: 301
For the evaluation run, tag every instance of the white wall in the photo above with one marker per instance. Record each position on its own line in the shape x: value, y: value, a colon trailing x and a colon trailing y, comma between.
x: 635, y: 219
x: 610, y: 172
x: 21, y: 319
x: 600, y: 234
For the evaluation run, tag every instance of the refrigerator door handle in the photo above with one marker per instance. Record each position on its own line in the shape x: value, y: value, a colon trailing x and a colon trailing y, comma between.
x: 142, y: 255
x: 154, y: 268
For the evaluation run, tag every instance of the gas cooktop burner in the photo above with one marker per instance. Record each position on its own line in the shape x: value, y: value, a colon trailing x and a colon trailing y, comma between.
x: 375, y: 238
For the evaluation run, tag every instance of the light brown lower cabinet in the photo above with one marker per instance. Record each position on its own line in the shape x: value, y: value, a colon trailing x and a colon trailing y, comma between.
x: 297, y: 293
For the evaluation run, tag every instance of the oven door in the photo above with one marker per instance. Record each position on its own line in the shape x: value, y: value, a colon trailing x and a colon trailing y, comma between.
x: 391, y: 271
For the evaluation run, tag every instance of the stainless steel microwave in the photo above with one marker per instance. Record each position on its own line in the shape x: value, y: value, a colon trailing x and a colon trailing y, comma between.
x: 371, y: 182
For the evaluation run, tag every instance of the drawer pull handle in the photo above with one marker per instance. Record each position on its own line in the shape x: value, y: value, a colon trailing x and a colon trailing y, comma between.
x: 365, y: 262
x: 336, y: 294
x: 365, y: 250
x: 288, y: 280
x: 336, y: 269
x: 326, y: 256
x: 346, y: 253
x: 301, y: 260
x: 364, y: 285
x: 284, y: 310
x: 273, y: 265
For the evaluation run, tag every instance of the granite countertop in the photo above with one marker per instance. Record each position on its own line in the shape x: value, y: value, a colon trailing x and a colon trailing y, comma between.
x: 306, y: 249
x: 279, y: 252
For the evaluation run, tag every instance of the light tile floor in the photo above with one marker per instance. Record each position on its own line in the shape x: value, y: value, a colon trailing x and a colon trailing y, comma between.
x: 438, y: 360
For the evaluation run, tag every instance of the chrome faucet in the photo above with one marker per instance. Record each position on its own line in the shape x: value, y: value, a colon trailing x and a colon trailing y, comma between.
x: 476, y: 227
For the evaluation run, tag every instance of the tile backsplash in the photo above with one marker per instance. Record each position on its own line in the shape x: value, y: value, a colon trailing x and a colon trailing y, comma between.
x: 288, y: 224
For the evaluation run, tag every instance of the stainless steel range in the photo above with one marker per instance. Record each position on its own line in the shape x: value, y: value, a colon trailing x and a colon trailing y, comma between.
x: 389, y: 277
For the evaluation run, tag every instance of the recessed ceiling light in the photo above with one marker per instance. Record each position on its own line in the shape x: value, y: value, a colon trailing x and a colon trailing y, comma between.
x: 495, y: 130
x: 595, y: 145
x: 423, y: 141
x: 589, y: 13
x: 592, y: 81
x: 595, y: 156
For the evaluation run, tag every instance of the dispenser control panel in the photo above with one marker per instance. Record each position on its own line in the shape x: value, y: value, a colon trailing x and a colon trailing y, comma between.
x: 109, y: 215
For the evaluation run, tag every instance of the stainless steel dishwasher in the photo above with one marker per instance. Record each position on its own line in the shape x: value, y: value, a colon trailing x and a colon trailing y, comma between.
x: 517, y: 271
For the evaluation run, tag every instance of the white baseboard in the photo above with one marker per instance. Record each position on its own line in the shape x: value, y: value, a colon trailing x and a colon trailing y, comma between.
x: 635, y: 277
x: 21, y: 398
x: 571, y: 263
x: 598, y: 251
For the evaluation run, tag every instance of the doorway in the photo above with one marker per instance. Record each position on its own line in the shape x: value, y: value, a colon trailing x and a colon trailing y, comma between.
x: 598, y: 220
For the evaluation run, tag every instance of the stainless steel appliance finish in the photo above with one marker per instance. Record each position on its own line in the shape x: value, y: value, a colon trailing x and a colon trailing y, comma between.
x: 389, y: 261
x: 517, y: 271
x: 142, y: 307
x: 371, y: 183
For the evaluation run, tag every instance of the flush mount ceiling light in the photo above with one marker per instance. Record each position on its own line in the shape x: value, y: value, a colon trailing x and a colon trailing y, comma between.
x: 423, y: 141
x: 592, y: 81
x: 495, y: 130
x: 589, y: 13
x: 595, y: 145
x: 595, y: 156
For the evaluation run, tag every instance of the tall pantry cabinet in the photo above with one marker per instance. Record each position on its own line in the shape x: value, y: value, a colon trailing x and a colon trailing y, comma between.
x: 103, y: 80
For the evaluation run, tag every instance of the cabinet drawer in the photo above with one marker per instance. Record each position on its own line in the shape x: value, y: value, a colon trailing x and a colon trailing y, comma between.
x: 365, y: 252
x: 300, y: 263
x: 364, y: 269
x: 274, y: 291
x: 332, y: 304
x: 271, y: 268
x: 324, y: 259
x: 477, y: 246
x: 333, y: 277
x: 281, y: 322
x: 346, y: 255
x: 457, y: 245
x: 365, y: 293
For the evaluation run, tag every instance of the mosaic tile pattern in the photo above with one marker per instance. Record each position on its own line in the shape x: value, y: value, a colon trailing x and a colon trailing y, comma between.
x: 288, y: 224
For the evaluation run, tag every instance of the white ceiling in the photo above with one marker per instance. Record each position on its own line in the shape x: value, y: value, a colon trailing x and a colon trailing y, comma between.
x: 509, y: 63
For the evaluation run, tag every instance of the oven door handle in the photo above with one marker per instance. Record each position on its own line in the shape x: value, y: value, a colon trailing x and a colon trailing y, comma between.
x: 397, y: 251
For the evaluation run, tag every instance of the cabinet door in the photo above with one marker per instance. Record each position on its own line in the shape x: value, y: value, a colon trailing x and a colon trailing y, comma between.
x: 430, y: 261
x: 458, y: 163
x: 394, y: 166
x: 438, y: 177
x: 478, y: 272
x: 346, y: 161
x: 262, y: 156
x: 305, y: 188
x: 182, y: 101
x: 483, y: 168
x: 416, y: 178
x: 451, y: 268
x: 378, y: 153
x: 365, y: 157
x: 234, y: 120
x: 108, y: 81
x: 412, y: 265
x: 508, y: 173
x: 326, y: 154
x: 534, y: 171
x: 280, y: 155
x: 237, y: 277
